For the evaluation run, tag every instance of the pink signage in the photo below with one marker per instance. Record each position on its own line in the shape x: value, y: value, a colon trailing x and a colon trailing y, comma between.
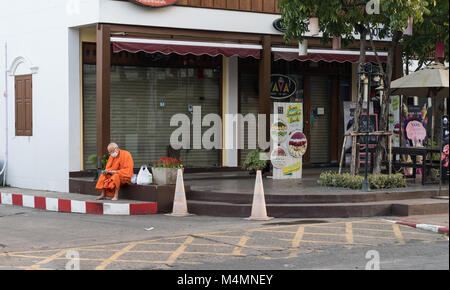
x: 415, y: 131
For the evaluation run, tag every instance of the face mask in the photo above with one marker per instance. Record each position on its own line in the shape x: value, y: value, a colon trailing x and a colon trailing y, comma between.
x: 115, y: 154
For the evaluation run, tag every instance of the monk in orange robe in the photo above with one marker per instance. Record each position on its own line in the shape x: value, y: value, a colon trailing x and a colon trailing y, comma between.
x: 118, y: 171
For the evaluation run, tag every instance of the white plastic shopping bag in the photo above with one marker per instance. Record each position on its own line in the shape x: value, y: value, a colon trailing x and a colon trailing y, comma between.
x: 144, y: 176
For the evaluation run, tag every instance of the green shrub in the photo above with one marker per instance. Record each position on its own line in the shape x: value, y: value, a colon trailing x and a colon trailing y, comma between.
x: 346, y: 180
x: 253, y: 162
x: 92, y: 160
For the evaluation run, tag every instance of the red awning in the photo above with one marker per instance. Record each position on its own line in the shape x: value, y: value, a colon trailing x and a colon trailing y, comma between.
x: 317, y: 55
x: 228, y: 49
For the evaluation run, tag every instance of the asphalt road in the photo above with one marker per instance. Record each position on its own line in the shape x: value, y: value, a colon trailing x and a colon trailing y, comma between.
x: 35, y: 239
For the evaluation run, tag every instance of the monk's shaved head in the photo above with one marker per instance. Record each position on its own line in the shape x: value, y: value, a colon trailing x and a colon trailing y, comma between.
x: 112, y: 147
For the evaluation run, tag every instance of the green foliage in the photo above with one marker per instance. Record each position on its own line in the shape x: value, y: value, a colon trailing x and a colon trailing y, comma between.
x: 376, y: 181
x: 344, y: 17
x: 253, y: 162
x: 92, y: 160
x: 434, y: 27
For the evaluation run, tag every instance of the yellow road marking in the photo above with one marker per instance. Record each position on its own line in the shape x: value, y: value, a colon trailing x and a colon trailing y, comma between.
x: 212, y: 245
x: 349, y: 230
x: 213, y: 253
x: 349, y: 233
x: 237, y: 250
x: 114, y: 257
x: 218, y: 236
x: 272, y: 231
x: 47, y: 260
x: 326, y: 242
x: 179, y: 251
x: 398, y: 234
x: 296, y: 242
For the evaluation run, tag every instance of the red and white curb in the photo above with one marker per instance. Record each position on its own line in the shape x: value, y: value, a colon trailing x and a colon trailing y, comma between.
x: 426, y: 227
x: 76, y: 206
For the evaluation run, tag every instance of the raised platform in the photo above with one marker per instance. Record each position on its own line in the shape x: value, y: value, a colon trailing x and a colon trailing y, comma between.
x: 233, y: 196
x: 162, y: 195
x: 230, y: 193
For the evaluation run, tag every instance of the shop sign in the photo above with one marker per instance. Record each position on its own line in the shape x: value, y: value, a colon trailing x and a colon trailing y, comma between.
x: 294, y: 115
x: 282, y: 87
x: 154, y: 3
x: 416, y: 132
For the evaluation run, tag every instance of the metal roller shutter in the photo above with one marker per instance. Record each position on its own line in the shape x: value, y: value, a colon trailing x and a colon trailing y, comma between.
x: 139, y: 123
x: 320, y: 128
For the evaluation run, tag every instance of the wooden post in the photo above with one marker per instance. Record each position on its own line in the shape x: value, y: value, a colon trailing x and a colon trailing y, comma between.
x: 354, y: 153
x: 103, y: 88
x: 390, y: 155
x: 342, y: 154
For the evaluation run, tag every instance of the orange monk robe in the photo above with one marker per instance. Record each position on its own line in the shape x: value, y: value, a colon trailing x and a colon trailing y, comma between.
x: 123, y: 164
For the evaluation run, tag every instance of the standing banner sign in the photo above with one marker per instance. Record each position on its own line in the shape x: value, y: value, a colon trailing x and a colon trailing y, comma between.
x: 289, y: 143
x: 394, y: 120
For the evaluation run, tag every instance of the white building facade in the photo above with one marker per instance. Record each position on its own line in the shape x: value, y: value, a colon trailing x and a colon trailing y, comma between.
x: 43, y: 39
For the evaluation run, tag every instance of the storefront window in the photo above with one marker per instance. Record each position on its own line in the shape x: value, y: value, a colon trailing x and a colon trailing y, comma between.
x: 143, y: 100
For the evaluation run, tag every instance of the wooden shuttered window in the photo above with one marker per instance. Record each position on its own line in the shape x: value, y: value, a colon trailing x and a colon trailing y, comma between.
x: 23, y: 105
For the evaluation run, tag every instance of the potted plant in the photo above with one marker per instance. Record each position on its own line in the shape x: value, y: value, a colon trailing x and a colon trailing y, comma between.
x: 253, y: 163
x: 165, y: 170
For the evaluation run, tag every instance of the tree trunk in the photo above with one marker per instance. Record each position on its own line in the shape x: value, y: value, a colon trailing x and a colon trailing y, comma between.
x: 384, y: 114
x: 359, y: 99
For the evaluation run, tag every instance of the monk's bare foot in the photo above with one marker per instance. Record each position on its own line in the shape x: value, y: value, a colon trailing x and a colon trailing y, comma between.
x: 101, y: 197
x: 115, y: 198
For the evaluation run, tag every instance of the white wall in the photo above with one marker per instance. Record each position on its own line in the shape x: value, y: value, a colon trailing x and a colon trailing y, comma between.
x: 122, y: 12
x: 45, y: 34
x: 37, y: 31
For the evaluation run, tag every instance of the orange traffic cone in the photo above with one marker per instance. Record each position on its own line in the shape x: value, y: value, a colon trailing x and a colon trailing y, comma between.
x: 179, y: 201
x: 259, y: 212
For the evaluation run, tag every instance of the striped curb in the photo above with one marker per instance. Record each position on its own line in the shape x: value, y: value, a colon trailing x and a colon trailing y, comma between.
x: 76, y: 206
x: 426, y: 227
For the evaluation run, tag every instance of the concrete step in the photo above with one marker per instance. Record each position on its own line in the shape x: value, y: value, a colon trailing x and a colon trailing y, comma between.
x: 312, y: 198
x: 420, y: 207
x: 322, y: 210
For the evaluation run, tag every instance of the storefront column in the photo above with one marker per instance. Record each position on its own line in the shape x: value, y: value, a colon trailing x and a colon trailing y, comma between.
x: 265, y: 104
x: 230, y: 108
x: 103, y: 88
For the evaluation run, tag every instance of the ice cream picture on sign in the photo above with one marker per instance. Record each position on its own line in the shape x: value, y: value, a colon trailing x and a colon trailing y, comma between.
x: 416, y: 132
x: 278, y: 131
x: 297, y: 144
x: 278, y: 157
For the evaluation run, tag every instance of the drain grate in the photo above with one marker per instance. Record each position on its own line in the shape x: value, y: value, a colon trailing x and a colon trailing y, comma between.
x: 299, y: 222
